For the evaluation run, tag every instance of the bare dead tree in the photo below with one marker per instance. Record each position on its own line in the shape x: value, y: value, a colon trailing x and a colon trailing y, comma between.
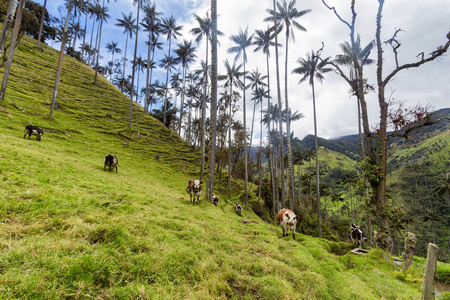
x: 375, y: 163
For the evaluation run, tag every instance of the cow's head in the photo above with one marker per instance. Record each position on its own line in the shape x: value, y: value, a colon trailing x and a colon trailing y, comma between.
x: 197, y: 185
x: 291, y: 218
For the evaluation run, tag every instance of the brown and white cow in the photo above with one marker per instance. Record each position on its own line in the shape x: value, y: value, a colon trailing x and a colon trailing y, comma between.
x: 287, y: 220
x: 194, y: 189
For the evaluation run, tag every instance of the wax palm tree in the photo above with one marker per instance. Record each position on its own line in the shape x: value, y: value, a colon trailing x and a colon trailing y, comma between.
x: 77, y: 32
x: 286, y: 15
x: 133, y: 69
x: 350, y: 179
x: 243, y: 41
x: 152, y: 25
x: 312, y: 68
x: 256, y: 81
x: 169, y: 63
x: 94, y: 10
x: 347, y: 58
x: 263, y: 40
x: 104, y: 16
x: 13, y: 45
x: 443, y: 187
x: 186, y: 55
x: 258, y: 96
x: 129, y: 27
x: 203, y: 30
x: 83, y: 7
x: 277, y: 68
x: 41, y: 22
x: 172, y: 31
x: 60, y: 60
x: 113, y: 48
x: 214, y: 78
x: 232, y: 79
x: 140, y: 64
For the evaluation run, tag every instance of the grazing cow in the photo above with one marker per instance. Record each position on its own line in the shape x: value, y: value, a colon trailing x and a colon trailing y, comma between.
x: 238, y: 208
x: 357, y: 235
x: 194, y: 189
x: 287, y: 219
x: 111, y: 162
x: 214, y: 200
x: 33, y: 130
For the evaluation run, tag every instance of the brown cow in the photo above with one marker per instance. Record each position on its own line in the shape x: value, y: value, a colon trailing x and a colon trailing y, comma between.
x: 287, y: 219
x: 194, y: 189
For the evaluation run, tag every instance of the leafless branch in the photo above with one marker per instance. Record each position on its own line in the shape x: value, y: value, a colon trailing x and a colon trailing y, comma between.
x: 337, y: 15
x: 433, y: 55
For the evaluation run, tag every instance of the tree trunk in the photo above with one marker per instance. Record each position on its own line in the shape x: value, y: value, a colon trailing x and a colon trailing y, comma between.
x: 133, y: 66
x: 280, y: 120
x: 147, y: 77
x: 99, y: 43
x: 213, y: 117
x: 203, y: 121
x: 430, y: 272
x: 60, y: 60
x: 245, y: 145
x: 317, y: 160
x: 7, y: 24
x: 12, y: 48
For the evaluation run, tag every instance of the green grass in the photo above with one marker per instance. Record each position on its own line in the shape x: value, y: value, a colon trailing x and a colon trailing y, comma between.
x: 69, y: 229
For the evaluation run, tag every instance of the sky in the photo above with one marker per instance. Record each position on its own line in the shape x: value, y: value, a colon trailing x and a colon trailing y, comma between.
x: 424, y: 26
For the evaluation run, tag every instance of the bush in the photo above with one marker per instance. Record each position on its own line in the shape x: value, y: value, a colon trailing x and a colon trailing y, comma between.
x: 443, y: 273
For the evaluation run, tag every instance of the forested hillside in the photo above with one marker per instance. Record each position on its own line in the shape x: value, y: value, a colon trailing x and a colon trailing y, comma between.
x: 69, y: 229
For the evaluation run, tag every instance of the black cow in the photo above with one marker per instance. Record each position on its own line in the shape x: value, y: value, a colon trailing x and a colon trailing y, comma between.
x: 238, y: 208
x: 357, y: 235
x: 214, y: 200
x: 111, y: 162
x: 33, y: 130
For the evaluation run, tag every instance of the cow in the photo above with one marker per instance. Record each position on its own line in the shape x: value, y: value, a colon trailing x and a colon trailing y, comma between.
x: 215, y: 200
x: 33, y: 130
x: 194, y: 189
x: 357, y: 235
x: 238, y: 208
x: 111, y: 162
x: 287, y: 220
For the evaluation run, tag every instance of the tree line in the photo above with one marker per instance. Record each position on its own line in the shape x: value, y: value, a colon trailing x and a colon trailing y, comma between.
x: 223, y: 140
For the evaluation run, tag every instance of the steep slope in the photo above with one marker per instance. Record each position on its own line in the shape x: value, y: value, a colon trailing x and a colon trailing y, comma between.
x: 69, y: 229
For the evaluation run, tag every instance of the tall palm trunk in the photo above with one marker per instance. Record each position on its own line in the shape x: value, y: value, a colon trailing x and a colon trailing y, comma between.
x: 288, y: 126
x: 7, y: 24
x: 167, y: 82
x: 317, y: 157
x: 41, y: 25
x: 280, y: 120
x: 182, y: 100
x: 84, y: 35
x: 124, y: 64
x: 147, y: 77
x: 60, y: 60
x: 213, y: 117
x: 245, y: 146
x: 90, y: 44
x: 133, y: 68
x: 99, y: 43
x: 203, y: 121
x: 12, y: 48
x: 229, y: 140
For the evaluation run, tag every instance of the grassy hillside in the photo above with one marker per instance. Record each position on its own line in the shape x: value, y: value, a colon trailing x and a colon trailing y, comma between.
x: 68, y: 229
